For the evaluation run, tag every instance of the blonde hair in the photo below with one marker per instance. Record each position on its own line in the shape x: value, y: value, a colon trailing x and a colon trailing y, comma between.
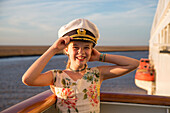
x: 68, y: 63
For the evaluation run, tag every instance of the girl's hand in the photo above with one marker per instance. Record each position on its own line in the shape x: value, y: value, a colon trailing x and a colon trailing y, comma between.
x: 95, y: 55
x: 61, y: 43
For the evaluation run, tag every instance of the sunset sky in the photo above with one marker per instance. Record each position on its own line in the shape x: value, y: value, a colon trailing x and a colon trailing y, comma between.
x: 36, y: 22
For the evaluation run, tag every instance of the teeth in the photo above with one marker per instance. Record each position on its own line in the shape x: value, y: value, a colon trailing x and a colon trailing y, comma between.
x: 80, y: 58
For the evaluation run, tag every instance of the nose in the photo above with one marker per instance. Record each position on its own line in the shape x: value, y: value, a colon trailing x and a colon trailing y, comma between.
x: 81, y: 51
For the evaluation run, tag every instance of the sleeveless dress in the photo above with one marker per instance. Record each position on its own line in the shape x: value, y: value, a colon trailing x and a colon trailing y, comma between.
x: 81, y: 96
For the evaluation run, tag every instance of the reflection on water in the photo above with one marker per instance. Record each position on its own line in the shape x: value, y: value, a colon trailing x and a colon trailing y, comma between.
x: 12, y: 90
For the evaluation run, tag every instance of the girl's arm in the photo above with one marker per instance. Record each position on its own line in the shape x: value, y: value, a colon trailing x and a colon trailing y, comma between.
x: 122, y: 65
x: 33, y: 76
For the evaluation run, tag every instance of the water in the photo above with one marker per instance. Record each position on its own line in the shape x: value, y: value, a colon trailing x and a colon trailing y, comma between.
x: 13, y: 91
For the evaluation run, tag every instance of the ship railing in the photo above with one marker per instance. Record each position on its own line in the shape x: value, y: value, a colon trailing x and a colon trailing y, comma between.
x: 110, y: 103
x: 163, y: 48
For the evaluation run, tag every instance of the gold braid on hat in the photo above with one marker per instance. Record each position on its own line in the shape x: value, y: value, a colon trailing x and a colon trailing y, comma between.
x: 82, y: 35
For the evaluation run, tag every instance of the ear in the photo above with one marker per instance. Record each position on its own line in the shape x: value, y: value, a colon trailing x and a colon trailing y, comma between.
x: 66, y: 50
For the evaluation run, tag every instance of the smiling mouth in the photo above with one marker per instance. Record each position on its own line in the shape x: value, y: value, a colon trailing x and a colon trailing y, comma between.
x: 81, y: 58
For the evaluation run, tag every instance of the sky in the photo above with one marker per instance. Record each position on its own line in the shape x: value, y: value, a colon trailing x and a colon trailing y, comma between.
x: 36, y: 22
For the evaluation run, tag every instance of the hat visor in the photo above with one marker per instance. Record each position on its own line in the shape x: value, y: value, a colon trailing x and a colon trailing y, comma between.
x: 84, y: 39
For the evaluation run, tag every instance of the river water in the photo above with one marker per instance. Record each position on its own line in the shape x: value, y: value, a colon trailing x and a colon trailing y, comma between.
x: 13, y: 91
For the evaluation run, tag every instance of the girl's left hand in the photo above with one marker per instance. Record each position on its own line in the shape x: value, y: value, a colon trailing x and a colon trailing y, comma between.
x: 95, y: 55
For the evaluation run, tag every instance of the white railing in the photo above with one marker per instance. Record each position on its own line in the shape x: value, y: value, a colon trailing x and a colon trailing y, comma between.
x: 162, y: 47
x: 162, y: 10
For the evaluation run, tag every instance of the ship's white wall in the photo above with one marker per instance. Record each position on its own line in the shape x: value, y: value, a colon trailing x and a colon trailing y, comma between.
x: 159, y: 15
x: 160, y: 41
x: 163, y: 75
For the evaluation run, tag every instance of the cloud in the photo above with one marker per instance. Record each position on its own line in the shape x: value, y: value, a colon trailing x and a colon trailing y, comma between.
x: 46, y: 17
x: 133, y: 25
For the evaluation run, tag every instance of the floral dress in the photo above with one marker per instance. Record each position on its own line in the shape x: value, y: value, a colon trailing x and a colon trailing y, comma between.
x: 81, y: 96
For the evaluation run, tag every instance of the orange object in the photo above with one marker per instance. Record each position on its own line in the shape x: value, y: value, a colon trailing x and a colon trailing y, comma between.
x: 145, y: 72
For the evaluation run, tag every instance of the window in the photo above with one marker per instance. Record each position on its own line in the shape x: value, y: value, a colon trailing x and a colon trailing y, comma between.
x: 164, y: 39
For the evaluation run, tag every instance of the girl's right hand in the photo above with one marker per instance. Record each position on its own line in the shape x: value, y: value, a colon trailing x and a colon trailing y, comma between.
x: 61, y: 43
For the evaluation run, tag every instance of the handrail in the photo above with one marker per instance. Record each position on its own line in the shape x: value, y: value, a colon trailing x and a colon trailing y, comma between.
x: 44, y: 100
x: 135, y: 98
x: 40, y: 106
x: 35, y: 104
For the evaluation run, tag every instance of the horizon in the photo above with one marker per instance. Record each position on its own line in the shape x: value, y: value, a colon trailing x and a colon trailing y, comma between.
x: 120, y: 23
x: 95, y: 46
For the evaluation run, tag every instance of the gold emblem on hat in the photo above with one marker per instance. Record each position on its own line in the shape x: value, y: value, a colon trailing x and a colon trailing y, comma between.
x: 81, y: 35
x: 81, y: 31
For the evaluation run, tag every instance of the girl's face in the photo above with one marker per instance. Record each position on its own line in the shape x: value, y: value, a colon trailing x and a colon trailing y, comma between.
x: 79, y: 52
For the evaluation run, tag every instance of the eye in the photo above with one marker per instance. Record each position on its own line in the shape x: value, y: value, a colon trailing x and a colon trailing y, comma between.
x: 75, y: 47
x: 87, y: 47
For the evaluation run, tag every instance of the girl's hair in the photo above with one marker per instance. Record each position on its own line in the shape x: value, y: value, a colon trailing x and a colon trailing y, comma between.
x: 68, y: 61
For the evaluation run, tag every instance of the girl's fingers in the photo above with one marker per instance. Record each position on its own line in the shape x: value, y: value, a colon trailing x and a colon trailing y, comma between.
x: 95, y: 55
x: 94, y: 51
x: 67, y: 40
x: 63, y: 42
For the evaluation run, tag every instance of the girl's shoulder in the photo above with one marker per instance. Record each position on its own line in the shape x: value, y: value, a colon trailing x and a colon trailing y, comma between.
x: 93, y: 69
x: 56, y: 73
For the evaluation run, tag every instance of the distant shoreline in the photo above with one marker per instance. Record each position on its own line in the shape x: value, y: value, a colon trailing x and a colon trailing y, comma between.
x: 9, y: 51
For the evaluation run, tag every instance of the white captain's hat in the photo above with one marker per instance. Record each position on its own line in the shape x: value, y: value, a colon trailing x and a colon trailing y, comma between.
x: 80, y: 30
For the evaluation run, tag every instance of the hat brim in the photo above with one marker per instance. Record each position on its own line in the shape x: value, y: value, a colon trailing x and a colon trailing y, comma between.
x: 84, y: 39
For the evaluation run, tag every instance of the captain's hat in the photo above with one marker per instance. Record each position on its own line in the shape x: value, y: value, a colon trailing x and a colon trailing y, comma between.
x: 80, y: 30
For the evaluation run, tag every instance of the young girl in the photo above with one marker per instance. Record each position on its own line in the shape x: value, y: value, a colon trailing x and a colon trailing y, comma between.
x: 78, y: 87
